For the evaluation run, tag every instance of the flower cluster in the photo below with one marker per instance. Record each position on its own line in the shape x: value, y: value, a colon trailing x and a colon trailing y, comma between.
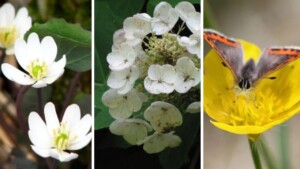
x: 151, y: 69
x: 37, y: 60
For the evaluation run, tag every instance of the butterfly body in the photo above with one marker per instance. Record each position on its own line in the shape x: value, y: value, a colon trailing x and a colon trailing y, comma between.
x: 248, y: 73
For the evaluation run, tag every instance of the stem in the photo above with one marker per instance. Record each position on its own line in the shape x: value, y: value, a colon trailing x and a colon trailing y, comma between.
x: 267, y: 156
x: 70, y: 92
x: 284, y: 146
x: 51, y: 163
x: 19, y: 105
x: 255, y: 155
x: 40, y: 102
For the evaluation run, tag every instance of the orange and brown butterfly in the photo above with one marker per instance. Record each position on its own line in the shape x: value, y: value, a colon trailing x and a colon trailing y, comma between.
x: 249, y: 73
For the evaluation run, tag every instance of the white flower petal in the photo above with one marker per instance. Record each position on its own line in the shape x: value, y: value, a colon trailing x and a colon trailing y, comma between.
x: 21, y: 53
x: 193, y: 107
x: 43, y: 152
x: 163, y: 116
x: 72, y: 116
x: 51, y: 117
x: 83, y: 127
x: 55, y: 70
x: 40, y: 84
x: 169, y: 73
x: 40, y: 139
x: 154, y: 72
x: 48, y: 44
x: 184, y: 9
x: 62, y: 156
x: 82, y: 143
x: 34, y: 46
x: 16, y: 75
x: 193, y: 23
x: 8, y: 15
x: 117, y: 79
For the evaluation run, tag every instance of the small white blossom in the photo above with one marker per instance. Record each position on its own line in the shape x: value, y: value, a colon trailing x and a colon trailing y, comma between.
x: 164, y: 18
x: 191, y: 43
x: 187, y: 75
x: 193, y: 23
x: 157, y: 142
x: 132, y: 130
x: 163, y: 116
x: 12, y: 26
x: 160, y: 79
x: 122, y: 58
x: 193, y: 107
x: 38, y: 60
x: 118, y: 39
x: 184, y: 9
x: 55, y: 139
x: 122, y: 106
x: 123, y: 80
x: 136, y: 28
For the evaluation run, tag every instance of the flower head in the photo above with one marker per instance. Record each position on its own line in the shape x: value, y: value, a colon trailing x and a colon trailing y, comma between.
x: 38, y: 60
x: 12, y: 26
x: 55, y: 139
x: 269, y: 103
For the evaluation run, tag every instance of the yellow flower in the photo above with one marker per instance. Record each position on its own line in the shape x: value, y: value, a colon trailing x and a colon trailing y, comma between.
x: 269, y: 103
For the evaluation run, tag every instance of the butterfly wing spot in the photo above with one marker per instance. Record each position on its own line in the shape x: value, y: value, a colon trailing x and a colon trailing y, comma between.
x: 224, y: 64
x: 272, y: 78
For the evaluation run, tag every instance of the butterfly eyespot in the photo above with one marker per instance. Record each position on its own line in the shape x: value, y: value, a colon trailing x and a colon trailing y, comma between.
x: 224, y: 64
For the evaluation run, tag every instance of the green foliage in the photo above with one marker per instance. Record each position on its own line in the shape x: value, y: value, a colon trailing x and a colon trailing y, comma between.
x: 72, y: 41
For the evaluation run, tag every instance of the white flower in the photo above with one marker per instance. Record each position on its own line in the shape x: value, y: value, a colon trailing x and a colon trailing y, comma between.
x: 160, y: 79
x: 164, y: 18
x: 157, y: 142
x: 122, y: 58
x: 122, y: 106
x: 192, y: 44
x: 54, y: 138
x: 163, y: 116
x: 38, y: 60
x: 187, y: 75
x: 123, y: 80
x: 12, y: 26
x: 193, y: 107
x: 136, y: 28
x: 118, y: 39
x: 184, y: 9
x: 193, y: 23
x: 133, y: 130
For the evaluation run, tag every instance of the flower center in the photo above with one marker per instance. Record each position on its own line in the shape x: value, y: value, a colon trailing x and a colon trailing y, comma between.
x: 37, y: 69
x: 61, y: 137
x: 8, y: 35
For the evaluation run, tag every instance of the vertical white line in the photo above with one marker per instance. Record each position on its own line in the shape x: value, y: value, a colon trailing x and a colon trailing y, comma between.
x: 92, y: 87
x: 202, y: 91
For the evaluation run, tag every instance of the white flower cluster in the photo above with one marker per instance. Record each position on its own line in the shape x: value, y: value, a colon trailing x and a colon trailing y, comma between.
x: 147, y: 59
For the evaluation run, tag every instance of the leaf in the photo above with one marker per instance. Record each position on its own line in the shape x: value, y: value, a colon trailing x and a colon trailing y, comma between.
x: 152, y: 3
x: 30, y: 102
x: 174, y: 158
x: 71, y: 40
x: 102, y: 117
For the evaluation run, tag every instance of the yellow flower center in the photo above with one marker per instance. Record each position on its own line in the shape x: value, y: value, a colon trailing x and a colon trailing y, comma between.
x: 37, y: 69
x: 61, y: 137
x: 8, y: 36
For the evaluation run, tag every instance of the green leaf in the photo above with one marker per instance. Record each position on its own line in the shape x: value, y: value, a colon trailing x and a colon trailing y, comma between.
x: 71, y: 40
x: 102, y: 117
x: 152, y: 3
x: 30, y: 102
x: 174, y: 158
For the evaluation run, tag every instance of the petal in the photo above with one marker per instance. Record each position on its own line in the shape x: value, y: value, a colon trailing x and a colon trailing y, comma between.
x: 38, y: 131
x: 55, y: 70
x: 49, y: 49
x: 169, y: 74
x: 154, y: 72
x: 82, y: 143
x: 43, y: 152
x: 62, y: 156
x: 51, y: 117
x: 117, y: 79
x: 125, y: 89
x: 194, y: 24
x: 184, y: 86
x: 21, y: 53
x: 34, y: 46
x: 16, y: 75
x: 184, y: 9
x: 151, y: 86
x: 40, y: 84
x: 83, y: 127
x: 7, y: 15
x: 72, y: 116
x: 193, y: 107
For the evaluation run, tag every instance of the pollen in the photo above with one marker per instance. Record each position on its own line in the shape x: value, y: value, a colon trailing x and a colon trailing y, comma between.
x: 37, y: 69
x: 61, y: 137
x: 8, y: 36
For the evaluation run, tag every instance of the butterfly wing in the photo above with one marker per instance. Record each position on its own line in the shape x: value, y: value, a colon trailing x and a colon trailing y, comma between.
x: 228, y: 49
x: 273, y: 59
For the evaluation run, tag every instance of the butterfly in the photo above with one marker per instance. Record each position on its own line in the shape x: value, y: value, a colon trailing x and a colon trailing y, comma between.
x: 248, y: 74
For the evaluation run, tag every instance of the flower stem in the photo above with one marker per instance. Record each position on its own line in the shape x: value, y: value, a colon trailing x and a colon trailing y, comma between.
x: 255, y: 155
x: 19, y: 105
x: 70, y: 92
x: 267, y: 156
x: 284, y: 146
x: 40, y: 102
